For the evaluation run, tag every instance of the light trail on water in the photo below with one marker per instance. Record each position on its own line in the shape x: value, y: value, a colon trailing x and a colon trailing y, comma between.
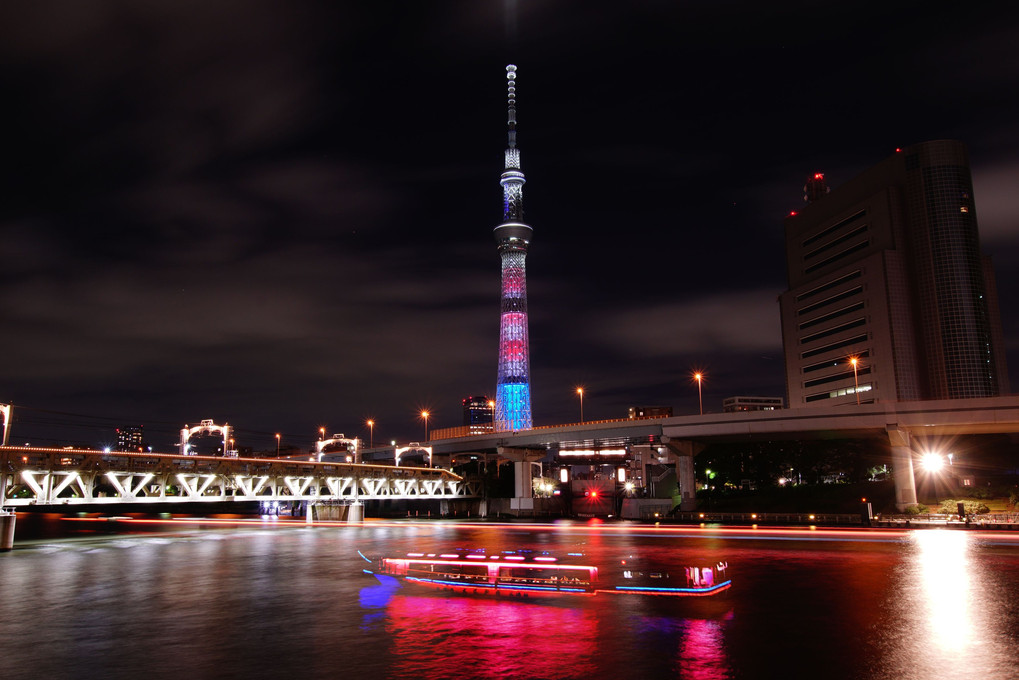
x: 755, y: 532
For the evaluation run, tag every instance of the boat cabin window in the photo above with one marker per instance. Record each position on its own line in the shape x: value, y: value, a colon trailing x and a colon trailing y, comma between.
x: 452, y: 570
x: 628, y: 573
x: 543, y: 575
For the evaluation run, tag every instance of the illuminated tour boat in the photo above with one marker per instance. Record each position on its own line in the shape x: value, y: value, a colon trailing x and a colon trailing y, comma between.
x: 527, y: 574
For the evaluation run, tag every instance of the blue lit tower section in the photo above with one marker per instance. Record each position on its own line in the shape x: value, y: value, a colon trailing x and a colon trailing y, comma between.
x: 513, y: 392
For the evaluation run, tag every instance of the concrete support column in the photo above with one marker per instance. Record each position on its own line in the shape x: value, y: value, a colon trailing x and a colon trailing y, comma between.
x: 355, y: 513
x: 902, y: 467
x: 7, y: 521
x: 522, y: 492
x: 523, y: 495
x: 683, y: 450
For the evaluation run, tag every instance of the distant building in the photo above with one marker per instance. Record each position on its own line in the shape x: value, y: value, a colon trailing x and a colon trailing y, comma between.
x: 734, y: 404
x: 131, y: 438
x: 479, y: 413
x: 887, y: 270
x: 650, y: 412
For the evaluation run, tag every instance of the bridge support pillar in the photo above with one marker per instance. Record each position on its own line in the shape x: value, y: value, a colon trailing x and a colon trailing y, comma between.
x: 902, y: 467
x: 355, y: 513
x: 523, y: 493
x: 683, y: 450
x: 7, y: 521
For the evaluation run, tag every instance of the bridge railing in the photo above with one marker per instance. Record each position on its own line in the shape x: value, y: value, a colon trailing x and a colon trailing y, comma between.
x: 465, y: 430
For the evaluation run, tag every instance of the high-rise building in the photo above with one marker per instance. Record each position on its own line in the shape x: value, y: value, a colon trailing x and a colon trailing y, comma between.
x: 479, y: 413
x: 889, y: 297
x: 131, y: 438
x: 513, y: 389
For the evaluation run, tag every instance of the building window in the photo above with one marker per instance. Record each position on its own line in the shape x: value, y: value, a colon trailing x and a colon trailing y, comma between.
x: 838, y: 393
x: 828, y: 286
x: 835, y: 378
x: 831, y: 315
x: 833, y: 346
x: 832, y: 331
x: 831, y: 363
x: 830, y: 300
x: 835, y: 227
x: 837, y: 256
x: 839, y: 241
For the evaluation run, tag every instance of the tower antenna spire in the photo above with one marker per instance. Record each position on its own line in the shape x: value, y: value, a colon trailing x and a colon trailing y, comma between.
x: 511, y: 97
x: 513, y: 390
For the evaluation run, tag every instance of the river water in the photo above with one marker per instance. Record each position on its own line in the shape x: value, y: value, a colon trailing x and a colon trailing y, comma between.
x: 282, y: 600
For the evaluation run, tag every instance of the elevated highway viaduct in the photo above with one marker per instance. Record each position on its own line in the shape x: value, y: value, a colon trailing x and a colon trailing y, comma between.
x: 908, y: 427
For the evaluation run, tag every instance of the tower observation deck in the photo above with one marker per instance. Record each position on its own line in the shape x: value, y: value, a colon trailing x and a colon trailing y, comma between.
x: 513, y: 391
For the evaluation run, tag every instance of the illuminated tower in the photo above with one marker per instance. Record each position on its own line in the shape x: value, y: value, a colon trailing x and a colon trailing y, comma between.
x: 513, y: 392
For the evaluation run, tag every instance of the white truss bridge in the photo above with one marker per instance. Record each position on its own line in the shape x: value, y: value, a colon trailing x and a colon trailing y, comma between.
x: 38, y: 476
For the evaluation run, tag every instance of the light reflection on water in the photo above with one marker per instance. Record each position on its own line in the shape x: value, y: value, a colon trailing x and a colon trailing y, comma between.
x: 259, y: 603
x: 484, y: 636
x: 952, y: 610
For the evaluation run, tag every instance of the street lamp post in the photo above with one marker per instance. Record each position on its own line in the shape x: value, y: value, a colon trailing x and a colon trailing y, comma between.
x: 277, y: 445
x: 700, y: 399
x: 321, y: 433
x: 424, y: 416
x: 580, y: 391
x: 856, y: 383
x: 371, y: 433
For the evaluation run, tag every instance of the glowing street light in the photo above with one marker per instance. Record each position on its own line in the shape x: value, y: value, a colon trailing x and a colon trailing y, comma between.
x: 932, y: 462
x: 855, y: 361
x: 277, y: 445
x: 321, y: 433
x: 580, y: 391
x: 700, y: 399
x: 424, y: 416
x: 371, y: 433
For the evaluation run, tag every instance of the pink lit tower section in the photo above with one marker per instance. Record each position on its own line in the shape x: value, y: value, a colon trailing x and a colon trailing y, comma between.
x: 513, y: 392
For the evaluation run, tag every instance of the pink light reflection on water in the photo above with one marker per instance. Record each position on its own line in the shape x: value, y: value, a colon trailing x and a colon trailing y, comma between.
x: 701, y: 652
x: 484, y: 638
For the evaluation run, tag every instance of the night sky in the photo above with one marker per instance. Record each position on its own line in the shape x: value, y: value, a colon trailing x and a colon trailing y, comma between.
x: 280, y: 214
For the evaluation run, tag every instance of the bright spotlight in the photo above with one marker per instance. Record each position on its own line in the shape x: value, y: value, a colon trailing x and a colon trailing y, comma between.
x: 932, y: 462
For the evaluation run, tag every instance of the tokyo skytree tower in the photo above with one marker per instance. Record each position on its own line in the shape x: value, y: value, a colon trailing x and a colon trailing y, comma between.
x: 513, y: 392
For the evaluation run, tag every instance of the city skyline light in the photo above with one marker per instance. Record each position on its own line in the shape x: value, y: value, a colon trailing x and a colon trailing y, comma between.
x: 281, y: 217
